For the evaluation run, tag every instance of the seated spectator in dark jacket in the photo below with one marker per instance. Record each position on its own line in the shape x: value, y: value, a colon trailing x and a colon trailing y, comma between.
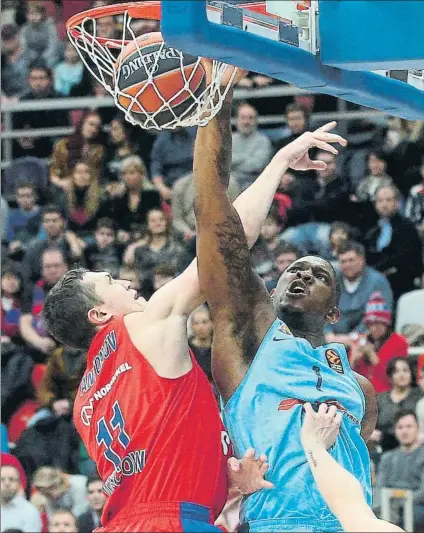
x: 90, y: 520
x: 402, y: 395
x: 372, y: 352
x: 393, y: 244
x: 129, y: 204
x: 41, y: 87
x: 24, y: 221
x: 172, y: 157
x: 82, y: 199
x: 403, y: 468
x: 104, y: 254
x: 312, y: 220
x: 358, y: 282
x: 414, y: 208
x: 39, y: 343
x: 53, y: 223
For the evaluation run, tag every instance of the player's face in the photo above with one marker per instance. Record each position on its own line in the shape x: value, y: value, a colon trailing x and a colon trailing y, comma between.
x: 308, y: 285
x: 406, y: 430
x: 116, y: 296
x: 63, y: 523
x: 96, y: 497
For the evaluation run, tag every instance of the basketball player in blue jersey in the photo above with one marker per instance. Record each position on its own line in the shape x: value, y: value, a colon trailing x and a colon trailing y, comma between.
x: 269, y: 355
x: 339, y: 488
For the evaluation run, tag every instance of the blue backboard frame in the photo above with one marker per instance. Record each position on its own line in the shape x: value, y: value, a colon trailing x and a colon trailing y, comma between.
x: 185, y: 25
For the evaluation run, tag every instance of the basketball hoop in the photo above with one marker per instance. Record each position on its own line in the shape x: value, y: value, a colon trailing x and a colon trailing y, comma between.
x: 101, y: 55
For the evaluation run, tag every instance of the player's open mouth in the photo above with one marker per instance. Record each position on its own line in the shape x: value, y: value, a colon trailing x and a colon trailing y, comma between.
x: 297, y: 288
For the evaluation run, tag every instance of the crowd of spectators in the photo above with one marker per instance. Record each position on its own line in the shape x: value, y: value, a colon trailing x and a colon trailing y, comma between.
x: 115, y: 198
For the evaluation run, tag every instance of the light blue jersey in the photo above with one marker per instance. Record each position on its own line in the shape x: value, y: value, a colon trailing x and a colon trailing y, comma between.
x: 266, y: 413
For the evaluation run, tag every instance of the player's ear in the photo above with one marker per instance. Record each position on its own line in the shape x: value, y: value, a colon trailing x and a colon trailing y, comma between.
x: 333, y: 315
x: 272, y: 294
x: 97, y: 317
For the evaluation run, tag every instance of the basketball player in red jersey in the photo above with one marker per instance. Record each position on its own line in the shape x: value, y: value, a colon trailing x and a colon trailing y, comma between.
x: 144, y: 409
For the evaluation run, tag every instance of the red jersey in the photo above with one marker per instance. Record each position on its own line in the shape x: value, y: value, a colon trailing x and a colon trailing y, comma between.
x: 153, y: 439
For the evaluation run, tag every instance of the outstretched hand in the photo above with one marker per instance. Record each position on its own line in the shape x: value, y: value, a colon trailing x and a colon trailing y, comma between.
x: 247, y: 475
x: 320, y: 428
x: 297, y: 152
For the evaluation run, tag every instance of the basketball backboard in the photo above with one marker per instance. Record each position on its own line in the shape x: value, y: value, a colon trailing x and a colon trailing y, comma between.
x: 325, y: 46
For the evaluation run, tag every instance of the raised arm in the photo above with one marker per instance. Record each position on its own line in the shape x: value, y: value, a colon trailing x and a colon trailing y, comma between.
x: 241, y: 308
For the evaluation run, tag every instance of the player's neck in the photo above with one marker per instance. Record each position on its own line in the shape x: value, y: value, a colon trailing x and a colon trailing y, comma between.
x: 306, y: 327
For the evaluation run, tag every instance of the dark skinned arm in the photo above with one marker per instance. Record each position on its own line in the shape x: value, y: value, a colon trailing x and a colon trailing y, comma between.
x: 240, y: 305
x: 371, y: 409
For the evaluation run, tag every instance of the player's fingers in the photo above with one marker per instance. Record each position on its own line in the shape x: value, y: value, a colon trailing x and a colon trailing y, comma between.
x: 338, y: 419
x: 250, y: 452
x: 332, y: 411
x: 233, y: 464
x: 267, y: 484
x: 327, y: 127
x: 317, y: 165
x: 325, y: 146
x: 323, y: 408
x: 308, y: 409
x: 262, y: 458
x: 330, y: 138
x: 264, y: 469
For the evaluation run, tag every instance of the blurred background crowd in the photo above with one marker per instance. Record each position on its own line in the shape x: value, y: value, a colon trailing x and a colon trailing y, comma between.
x: 116, y: 198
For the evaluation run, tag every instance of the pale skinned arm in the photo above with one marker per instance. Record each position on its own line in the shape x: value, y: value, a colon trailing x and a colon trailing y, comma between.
x: 339, y: 488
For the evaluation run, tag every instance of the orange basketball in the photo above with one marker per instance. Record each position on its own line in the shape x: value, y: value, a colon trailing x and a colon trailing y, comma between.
x: 174, y: 76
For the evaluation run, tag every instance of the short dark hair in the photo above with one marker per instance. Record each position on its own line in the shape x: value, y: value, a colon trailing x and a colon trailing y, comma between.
x: 51, y: 208
x: 353, y: 246
x: 391, y: 365
x: 245, y: 103
x: 55, y: 249
x: 93, y: 478
x: 379, y: 154
x: 106, y: 223
x: 405, y: 412
x: 294, y: 108
x: 286, y: 247
x: 69, y: 302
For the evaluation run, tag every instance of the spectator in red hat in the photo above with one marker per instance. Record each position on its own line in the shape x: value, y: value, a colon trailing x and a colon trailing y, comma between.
x: 371, y: 353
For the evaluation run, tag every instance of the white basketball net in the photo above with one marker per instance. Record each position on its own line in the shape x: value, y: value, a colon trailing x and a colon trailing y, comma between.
x: 100, y: 57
